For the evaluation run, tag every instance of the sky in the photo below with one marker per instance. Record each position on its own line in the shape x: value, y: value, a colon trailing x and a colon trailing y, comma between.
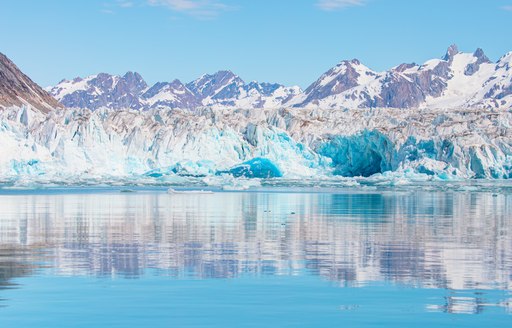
x: 286, y: 41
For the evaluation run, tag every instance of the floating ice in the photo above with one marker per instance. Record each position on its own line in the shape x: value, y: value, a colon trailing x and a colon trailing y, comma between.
x: 261, y: 168
x: 230, y: 183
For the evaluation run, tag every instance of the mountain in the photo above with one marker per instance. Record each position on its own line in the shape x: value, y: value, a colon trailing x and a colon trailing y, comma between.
x: 101, y: 90
x: 17, y: 89
x: 456, y: 80
x: 219, y: 86
x: 345, y: 76
x: 215, y: 145
x: 225, y: 89
x: 172, y: 95
x: 221, y: 89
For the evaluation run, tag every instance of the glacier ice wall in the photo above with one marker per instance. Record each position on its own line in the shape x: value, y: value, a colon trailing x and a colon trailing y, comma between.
x: 363, y: 154
x: 293, y: 142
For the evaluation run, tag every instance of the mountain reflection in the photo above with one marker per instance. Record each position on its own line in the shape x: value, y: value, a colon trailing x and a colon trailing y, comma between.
x: 14, y: 263
x: 427, y: 239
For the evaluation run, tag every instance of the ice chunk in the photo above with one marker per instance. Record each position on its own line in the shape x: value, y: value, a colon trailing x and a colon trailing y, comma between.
x: 198, y: 169
x: 262, y: 168
x: 228, y: 182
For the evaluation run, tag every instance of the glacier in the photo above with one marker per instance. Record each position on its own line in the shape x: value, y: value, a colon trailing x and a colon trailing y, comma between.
x: 174, y: 145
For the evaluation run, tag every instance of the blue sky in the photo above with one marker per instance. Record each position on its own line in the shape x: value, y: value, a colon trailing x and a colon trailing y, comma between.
x: 286, y: 41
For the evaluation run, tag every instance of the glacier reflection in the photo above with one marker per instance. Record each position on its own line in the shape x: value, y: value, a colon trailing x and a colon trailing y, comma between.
x: 459, y: 241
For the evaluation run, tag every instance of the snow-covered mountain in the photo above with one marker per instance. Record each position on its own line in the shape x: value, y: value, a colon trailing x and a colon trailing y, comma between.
x: 225, y: 89
x: 222, y: 89
x: 166, y: 145
x: 456, y: 80
x: 169, y: 95
x: 102, y: 90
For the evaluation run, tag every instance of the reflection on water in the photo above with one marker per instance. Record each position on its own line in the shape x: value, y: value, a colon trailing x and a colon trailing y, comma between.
x: 450, y: 240
x: 12, y: 266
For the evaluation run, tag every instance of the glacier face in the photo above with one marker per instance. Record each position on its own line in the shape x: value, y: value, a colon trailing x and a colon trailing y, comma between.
x: 168, y: 145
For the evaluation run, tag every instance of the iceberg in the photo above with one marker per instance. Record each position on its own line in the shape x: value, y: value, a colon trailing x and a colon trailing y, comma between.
x: 261, y: 168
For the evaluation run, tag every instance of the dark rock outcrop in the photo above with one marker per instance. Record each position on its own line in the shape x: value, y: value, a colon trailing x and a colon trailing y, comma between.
x: 451, y: 52
x: 473, y: 67
x: 17, y: 89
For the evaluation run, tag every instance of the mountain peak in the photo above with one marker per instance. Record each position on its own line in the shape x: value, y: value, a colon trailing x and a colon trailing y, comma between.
x: 225, y: 75
x: 176, y: 82
x: 134, y: 81
x: 350, y: 62
x: 451, y: 52
x: 133, y: 75
x: 355, y: 61
x: 479, y: 53
x: 209, y: 85
x: 481, y: 58
x: 225, y: 72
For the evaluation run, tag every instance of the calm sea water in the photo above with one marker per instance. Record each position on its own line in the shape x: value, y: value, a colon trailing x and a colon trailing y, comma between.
x: 102, y: 258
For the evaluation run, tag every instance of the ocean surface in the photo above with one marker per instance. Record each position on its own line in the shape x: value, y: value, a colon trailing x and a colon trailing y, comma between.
x: 270, y: 257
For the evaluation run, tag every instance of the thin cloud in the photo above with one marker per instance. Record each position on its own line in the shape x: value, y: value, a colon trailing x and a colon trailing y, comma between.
x: 507, y: 8
x: 112, y: 7
x: 198, y: 8
x: 330, y: 5
x: 106, y: 11
x: 125, y: 4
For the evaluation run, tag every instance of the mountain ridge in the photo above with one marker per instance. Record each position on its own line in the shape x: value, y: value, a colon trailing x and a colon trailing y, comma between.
x: 17, y: 89
x: 457, y: 79
x: 220, y: 89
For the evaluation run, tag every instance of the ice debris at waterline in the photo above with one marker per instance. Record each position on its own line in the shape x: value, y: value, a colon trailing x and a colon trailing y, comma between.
x: 189, y: 192
x: 170, y: 146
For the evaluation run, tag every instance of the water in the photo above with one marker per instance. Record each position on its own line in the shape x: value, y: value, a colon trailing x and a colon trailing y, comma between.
x: 392, y: 258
